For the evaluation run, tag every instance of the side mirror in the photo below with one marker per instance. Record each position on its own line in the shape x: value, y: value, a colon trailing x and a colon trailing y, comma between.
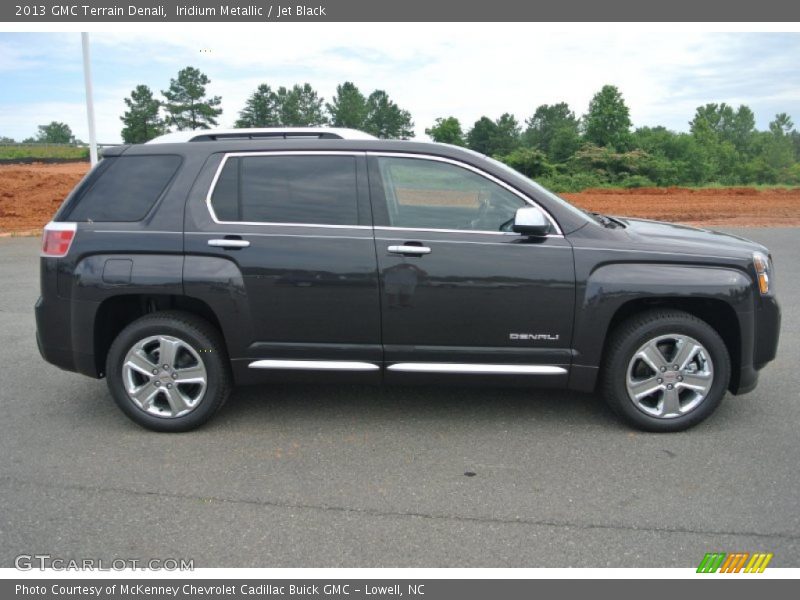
x: 529, y: 220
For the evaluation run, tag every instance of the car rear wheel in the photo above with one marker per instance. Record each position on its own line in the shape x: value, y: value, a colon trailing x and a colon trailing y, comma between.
x: 168, y: 371
x: 665, y: 370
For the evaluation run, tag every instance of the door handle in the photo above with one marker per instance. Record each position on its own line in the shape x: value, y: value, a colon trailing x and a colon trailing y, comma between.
x: 224, y: 243
x: 413, y: 250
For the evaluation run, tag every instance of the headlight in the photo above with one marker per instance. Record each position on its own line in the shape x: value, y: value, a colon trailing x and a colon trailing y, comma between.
x: 762, y: 266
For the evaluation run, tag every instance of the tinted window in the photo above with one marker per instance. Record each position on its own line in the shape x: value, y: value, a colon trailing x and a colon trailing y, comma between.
x: 126, y: 189
x: 287, y: 189
x: 430, y: 194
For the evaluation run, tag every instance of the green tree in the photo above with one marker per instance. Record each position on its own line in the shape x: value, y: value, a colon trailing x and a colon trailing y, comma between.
x: 494, y: 138
x: 608, y: 121
x: 186, y: 102
x: 782, y: 125
x: 348, y: 108
x: 675, y: 158
x: 482, y: 135
x: 723, y: 123
x: 531, y: 162
x: 55, y: 133
x: 260, y: 110
x: 300, y: 106
x: 387, y: 120
x: 142, y: 121
x: 507, y: 134
x: 6, y: 140
x: 553, y: 129
x: 446, y: 130
x: 728, y: 138
x: 775, y: 154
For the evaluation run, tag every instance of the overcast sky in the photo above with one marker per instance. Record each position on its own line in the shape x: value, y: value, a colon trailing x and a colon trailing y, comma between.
x: 433, y: 70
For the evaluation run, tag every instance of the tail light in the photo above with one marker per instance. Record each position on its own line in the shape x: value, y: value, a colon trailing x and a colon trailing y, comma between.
x: 57, y: 238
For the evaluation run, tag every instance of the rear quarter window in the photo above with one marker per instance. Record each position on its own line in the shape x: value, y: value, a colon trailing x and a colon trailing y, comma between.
x: 126, y: 189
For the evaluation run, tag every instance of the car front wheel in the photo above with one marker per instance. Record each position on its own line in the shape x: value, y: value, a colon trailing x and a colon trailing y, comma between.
x: 665, y: 370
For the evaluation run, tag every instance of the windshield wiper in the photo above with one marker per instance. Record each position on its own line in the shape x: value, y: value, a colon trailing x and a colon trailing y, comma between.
x: 605, y: 221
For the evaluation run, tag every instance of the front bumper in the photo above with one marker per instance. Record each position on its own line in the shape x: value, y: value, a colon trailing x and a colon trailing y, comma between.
x: 766, y: 335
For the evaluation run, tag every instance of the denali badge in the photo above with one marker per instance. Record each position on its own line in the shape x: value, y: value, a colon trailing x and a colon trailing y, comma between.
x: 533, y: 336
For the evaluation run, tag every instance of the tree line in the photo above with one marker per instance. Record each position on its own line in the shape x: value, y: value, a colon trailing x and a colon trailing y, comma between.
x: 185, y: 105
x: 602, y: 148
x: 555, y: 146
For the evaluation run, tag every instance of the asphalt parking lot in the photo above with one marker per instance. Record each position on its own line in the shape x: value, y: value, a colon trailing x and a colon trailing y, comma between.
x: 297, y: 475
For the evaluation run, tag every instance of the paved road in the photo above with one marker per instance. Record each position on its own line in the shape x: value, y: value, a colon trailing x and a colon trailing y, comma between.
x: 353, y: 476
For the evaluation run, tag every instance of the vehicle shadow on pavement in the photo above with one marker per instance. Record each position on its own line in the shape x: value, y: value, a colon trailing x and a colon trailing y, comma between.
x: 435, y: 405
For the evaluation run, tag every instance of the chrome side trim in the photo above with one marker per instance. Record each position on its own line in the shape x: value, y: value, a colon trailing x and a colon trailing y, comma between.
x: 277, y: 153
x: 481, y: 231
x: 477, y: 368
x: 136, y: 232
x: 314, y: 365
x: 304, y: 236
x: 480, y: 172
x: 443, y: 241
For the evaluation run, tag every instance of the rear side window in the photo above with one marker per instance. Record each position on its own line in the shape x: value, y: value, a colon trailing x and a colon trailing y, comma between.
x: 126, y: 189
x: 287, y: 189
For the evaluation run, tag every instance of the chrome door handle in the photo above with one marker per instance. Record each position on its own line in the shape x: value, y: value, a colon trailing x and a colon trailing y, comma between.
x: 415, y: 250
x: 229, y: 243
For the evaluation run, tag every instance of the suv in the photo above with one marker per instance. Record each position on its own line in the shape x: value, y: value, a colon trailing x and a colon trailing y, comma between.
x: 178, y: 269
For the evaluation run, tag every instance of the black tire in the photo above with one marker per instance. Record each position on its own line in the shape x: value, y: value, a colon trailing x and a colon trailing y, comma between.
x: 630, y: 336
x: 209, y: 348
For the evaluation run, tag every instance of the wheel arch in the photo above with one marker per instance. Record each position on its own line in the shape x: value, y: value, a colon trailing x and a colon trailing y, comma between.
x: 717, y: 313
x: 722, y: 297
x: 117, y: 312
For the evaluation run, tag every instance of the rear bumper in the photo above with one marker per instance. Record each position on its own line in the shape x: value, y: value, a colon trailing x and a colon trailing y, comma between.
x: 54, y: 337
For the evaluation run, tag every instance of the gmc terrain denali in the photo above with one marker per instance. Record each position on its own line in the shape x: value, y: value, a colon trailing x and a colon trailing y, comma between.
x: 178, y: 268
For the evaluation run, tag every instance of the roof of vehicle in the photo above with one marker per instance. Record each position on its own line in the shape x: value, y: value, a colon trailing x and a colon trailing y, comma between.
x: 214, y: 135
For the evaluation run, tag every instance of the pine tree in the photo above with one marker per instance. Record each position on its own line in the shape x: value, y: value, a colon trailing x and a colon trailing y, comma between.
x: 142, y: 119
x: 261, y: 109
x: 186, y: 101
x: 385, y: 119
x: 348, y: 107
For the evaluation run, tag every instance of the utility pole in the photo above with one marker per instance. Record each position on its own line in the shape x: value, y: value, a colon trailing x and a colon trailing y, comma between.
x: 87, y: 79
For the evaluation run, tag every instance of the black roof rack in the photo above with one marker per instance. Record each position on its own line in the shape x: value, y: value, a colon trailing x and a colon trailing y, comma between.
x: 213, y: 137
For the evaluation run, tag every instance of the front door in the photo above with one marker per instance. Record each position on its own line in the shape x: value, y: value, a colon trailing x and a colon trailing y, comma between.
x: 460, y: 292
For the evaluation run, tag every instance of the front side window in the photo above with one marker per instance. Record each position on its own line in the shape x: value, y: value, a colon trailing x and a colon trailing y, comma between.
x: 427, y: 194
x: 287, y: 189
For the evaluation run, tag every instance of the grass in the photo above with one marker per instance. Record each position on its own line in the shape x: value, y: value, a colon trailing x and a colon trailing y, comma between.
x: 43, y: 151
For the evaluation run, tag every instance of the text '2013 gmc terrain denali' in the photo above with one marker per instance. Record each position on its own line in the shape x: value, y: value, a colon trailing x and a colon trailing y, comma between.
x: 179, y: 268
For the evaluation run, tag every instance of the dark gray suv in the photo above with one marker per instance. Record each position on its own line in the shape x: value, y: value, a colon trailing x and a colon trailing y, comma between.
x: 179, y: 268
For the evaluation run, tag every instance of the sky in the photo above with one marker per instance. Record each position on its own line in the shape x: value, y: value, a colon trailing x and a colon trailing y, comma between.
x: 432, y: 70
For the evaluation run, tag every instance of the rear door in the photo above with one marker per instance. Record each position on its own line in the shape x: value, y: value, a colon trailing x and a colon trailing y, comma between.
x: 283, y: 246
x: 461, y: 294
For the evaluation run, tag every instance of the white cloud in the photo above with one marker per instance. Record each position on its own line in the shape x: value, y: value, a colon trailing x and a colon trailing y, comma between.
x: 465, y: 70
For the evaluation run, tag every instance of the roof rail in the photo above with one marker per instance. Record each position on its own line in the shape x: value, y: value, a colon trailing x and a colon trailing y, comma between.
x: 213, y: 135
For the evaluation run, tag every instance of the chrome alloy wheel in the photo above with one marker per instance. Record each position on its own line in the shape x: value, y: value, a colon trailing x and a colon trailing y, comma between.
x: 669, y: 376
x: 164, y: 376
